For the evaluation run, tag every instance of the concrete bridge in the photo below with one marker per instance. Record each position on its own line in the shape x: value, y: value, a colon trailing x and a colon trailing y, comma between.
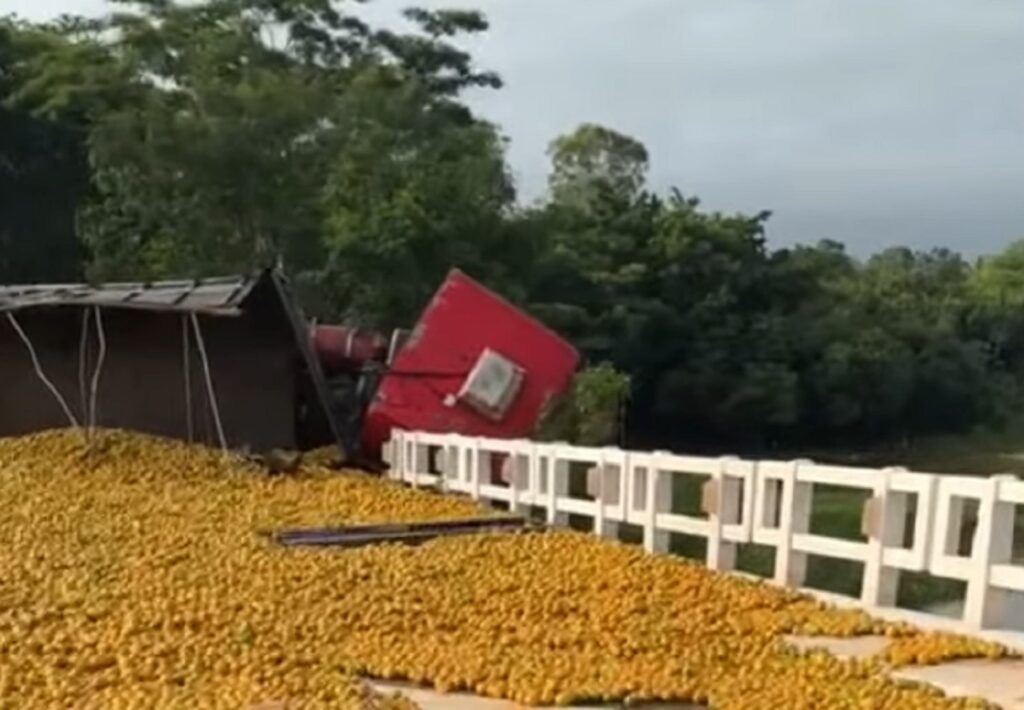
x: 947, y: 527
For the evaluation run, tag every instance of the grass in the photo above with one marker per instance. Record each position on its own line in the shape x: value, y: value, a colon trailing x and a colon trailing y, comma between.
x: 981, y: 452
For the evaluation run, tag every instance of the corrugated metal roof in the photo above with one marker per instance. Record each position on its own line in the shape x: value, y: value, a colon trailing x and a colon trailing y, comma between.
x: 213, y: 295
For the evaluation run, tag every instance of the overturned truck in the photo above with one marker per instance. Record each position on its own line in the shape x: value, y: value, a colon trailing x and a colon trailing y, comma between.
x: 232, y: 362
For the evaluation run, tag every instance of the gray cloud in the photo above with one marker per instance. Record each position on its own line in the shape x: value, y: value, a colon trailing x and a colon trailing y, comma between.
x: 870, y: 121
x: 874, y: 122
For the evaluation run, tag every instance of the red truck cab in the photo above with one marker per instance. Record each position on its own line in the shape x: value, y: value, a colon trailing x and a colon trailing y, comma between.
x: 474, y: 364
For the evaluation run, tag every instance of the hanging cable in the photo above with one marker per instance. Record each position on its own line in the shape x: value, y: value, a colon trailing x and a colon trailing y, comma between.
x: 39, y: 371
x: 209, y: 383
x: 187, y: 368
x: 94, y: 388
x: 83, y: 352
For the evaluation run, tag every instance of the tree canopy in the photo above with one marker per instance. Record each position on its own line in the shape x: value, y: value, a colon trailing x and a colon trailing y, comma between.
x: 182, y: 139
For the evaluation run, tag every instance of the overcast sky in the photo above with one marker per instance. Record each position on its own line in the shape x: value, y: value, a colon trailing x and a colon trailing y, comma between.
x: 874, y: 122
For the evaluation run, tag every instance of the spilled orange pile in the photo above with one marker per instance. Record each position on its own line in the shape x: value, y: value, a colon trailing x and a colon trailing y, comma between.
x: 135, y: 577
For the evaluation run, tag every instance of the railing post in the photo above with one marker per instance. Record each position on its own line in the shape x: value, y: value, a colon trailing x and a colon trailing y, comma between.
x: 794, y: 518
x: 925, y: 521
x: 451, y: 464
x: 884, y: 523
x: 598, y: 484
x: 954, y: 526
x: 720, y: 499
x: 558, y: 485
x: 986, y: 606
x: 657, y: 499
x: 415, y: 459
x: 595, y: 488
x: 533, y: 474
x: 408, y: 456
x: 620, y: 499
x: 441, y: 464
x: 518, y: 467
x: 632, y: 498
x: 768, y: 504
x: 510, y: 471
x: 473, y: 471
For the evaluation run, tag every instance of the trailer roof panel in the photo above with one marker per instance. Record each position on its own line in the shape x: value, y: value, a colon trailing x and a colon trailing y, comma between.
x: 217, y: 296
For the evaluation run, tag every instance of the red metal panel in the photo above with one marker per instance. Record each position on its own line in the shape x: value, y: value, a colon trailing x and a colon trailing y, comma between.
x: 461, y: 321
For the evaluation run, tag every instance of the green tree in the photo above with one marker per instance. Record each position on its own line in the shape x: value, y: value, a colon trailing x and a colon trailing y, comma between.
x: 231, y: 119
x: 44, y: 174
x: 660, y: 289
x: 999, y: 280
x: 591, y: 412
x: 995, y: 316
x: 594, y: 239
x: 729, y: 343
x: 716, y: 362
x: 594, y: 162
x: 417, y: 186
x: 216, y: 164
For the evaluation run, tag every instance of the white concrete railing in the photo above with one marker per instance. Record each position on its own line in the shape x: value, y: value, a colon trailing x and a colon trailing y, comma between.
x: 763, y: 502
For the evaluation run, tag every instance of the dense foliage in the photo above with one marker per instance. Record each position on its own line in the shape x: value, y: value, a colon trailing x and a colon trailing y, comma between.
x: 184, y: 139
